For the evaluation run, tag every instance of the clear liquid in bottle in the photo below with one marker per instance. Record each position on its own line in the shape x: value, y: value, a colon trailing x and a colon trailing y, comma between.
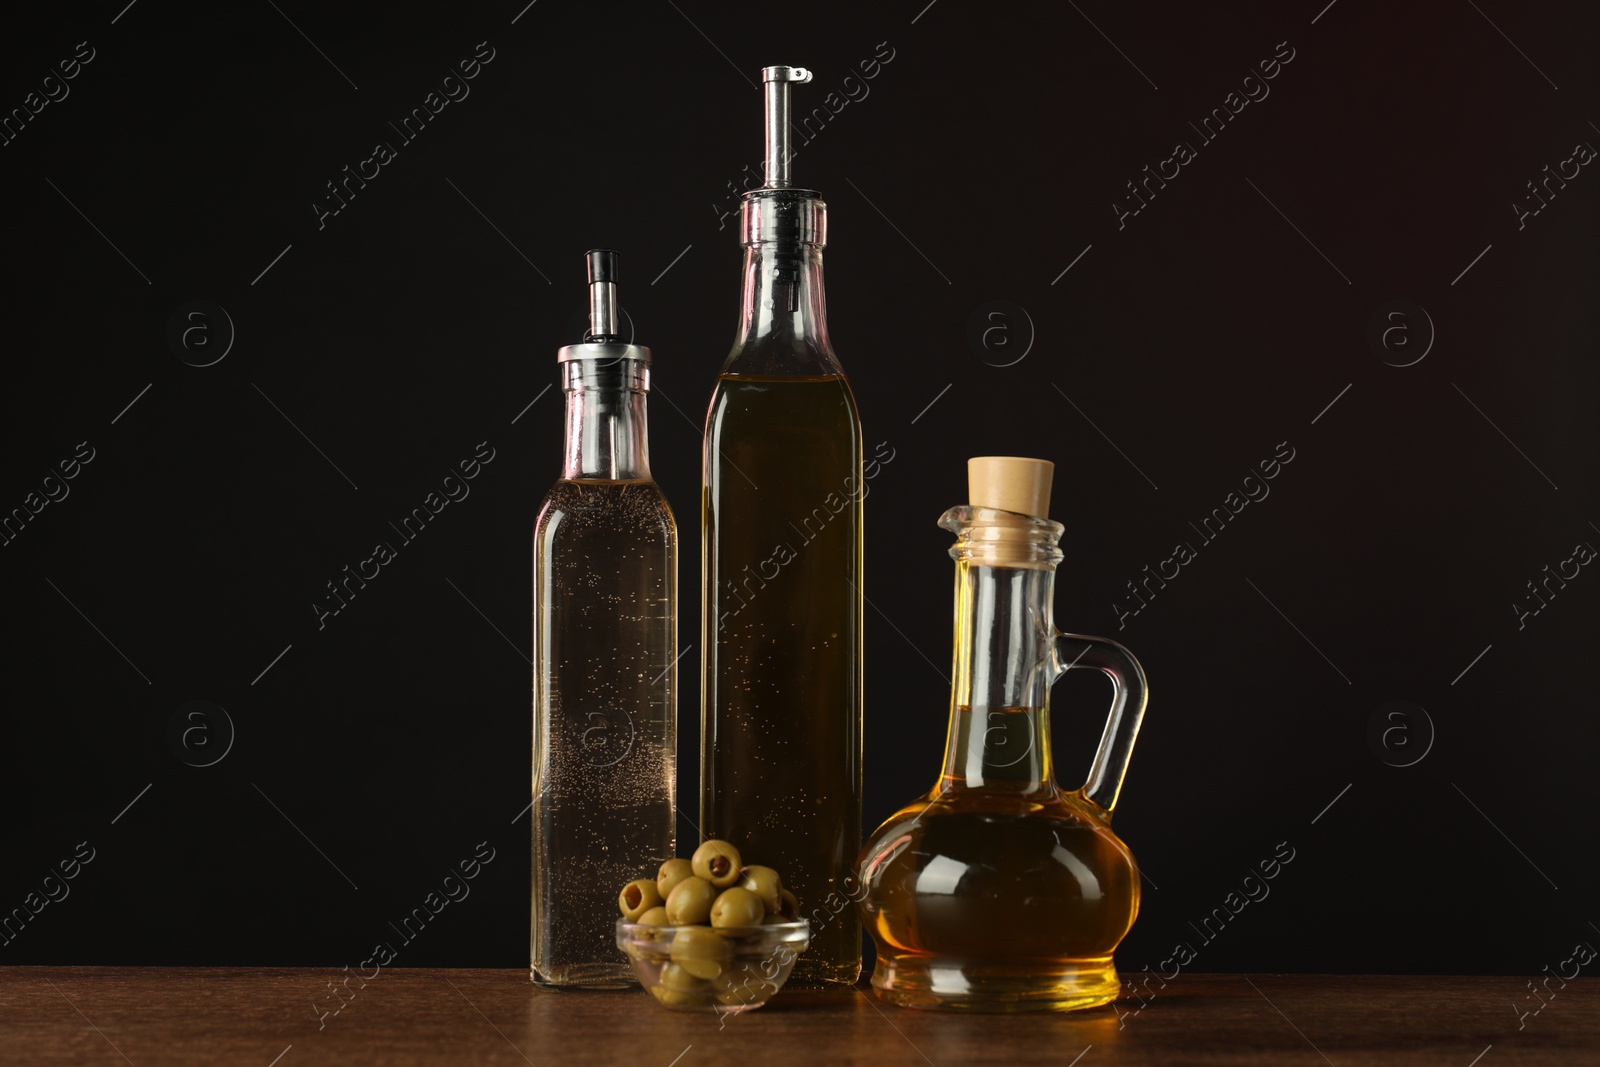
x: 605, y: 765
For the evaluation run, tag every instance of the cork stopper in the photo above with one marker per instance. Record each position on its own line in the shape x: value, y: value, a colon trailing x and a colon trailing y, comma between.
x: 1010, y: 483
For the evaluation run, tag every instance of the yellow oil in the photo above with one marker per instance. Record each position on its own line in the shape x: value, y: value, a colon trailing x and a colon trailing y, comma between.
x: 781, y: 641
x: 998, y: 898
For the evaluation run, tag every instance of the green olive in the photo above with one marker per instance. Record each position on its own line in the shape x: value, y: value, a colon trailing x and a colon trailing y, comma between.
x: 788, y: 906
x: 656, y: 916
x: 677, y: 988
x: 764, y: 883
x: 671, y: 873
x: 736, y: 907
x: 700, y: 951
x: 717, y: 862
x: 638, y: 897
x: 666, y: 997
x: 682, y: 980
x: 690, y: 902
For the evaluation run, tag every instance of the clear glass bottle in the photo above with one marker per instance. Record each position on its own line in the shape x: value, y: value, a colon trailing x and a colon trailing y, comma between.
x: 781, y: 570
x: 998, y: 891
x: 605, y: 649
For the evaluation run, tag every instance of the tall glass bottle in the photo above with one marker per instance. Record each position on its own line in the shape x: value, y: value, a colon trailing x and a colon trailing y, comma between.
x: 605, y: 640
x: 998, y: 890
x: 781, y: 566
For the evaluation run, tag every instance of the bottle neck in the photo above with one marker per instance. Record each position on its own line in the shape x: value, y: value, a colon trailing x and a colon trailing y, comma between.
x: 784, y: 305
x: 999, y: 736
x: 607, y: 433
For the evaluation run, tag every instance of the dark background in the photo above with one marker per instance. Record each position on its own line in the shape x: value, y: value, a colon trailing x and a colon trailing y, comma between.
x: 1175, y: 354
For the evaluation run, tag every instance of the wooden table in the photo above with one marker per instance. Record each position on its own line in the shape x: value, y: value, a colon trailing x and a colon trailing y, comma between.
x: 264, y: 1017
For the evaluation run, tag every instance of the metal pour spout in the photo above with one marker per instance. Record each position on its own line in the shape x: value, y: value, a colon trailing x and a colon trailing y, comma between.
x: 775, y: 83
x: 602, y: 295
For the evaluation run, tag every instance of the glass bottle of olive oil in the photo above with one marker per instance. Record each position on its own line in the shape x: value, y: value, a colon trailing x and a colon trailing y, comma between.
x: 998, y: 890
x: 781, y: 627
x: 605, y: 566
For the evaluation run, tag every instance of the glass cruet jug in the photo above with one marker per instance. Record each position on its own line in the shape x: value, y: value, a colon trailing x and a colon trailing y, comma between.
x: 997, y: 890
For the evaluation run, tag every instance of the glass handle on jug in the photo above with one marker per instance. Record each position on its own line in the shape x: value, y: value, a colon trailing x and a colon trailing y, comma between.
x: 1129, y: 694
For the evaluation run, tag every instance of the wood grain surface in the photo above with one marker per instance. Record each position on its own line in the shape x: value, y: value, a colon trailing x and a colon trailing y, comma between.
x: 149, y: 1016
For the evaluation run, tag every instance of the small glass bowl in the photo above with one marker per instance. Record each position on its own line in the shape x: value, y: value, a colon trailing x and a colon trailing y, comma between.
x: 696, y: 968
